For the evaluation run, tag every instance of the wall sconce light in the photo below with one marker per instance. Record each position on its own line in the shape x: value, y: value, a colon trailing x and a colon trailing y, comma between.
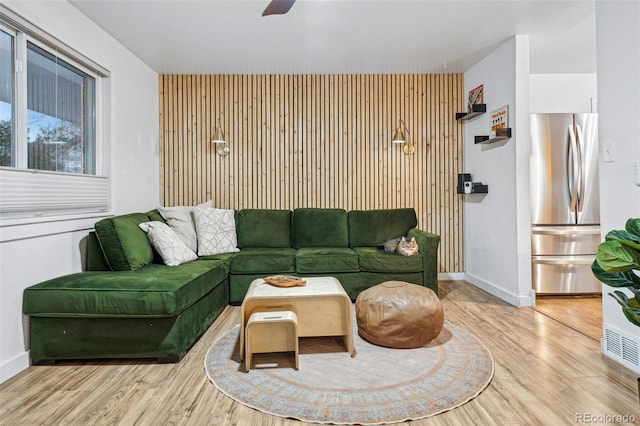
x: 218, y: 138
x: 400, y: 136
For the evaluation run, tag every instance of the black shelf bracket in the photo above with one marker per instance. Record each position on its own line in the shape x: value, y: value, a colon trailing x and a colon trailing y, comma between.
x: 501, y: 135
x: 479, y: 188
x: 476, y: 110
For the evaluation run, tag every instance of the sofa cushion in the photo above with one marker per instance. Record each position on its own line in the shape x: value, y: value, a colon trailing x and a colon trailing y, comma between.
x: 167, y: 243
x: 369, y: 228
x: 320, y: 228
x: 226, y: 257
x: 263, y: 228
x: 326, y: 260
x: 216, y: 230
x: 180, y: 220
x: 373, y: 259
x: 155, y: 215
x: 263, y: 260
x: 125, y: 246
x: 95, y: 257
x: 153, y: 291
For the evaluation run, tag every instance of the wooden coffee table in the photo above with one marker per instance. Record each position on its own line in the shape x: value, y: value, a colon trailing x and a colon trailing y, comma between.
x: 322, y: 306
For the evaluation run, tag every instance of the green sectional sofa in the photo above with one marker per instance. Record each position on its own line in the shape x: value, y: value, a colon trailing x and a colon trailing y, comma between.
x: 128, y: 304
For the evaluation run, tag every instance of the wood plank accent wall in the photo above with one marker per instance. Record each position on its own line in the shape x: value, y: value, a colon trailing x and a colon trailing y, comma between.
x: 317, y: 141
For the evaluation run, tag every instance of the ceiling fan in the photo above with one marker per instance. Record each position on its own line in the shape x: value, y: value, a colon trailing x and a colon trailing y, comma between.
x: 278, y: 7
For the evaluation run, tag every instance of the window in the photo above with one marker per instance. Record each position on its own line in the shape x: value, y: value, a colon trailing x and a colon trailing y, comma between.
x: 60, y: 114
x: 50, y: 147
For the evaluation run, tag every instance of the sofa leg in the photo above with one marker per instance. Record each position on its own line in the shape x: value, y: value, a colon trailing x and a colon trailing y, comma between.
x: 43, y: 361
x: 169, y: 359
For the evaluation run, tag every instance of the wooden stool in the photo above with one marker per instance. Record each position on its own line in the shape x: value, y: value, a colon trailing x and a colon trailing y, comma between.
x: 274, y: 331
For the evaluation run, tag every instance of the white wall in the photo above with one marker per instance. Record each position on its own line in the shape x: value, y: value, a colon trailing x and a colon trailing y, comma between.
x: 559, y: 93
x: 496, y: 225
x: 30, y: 253
x: 618, y: 57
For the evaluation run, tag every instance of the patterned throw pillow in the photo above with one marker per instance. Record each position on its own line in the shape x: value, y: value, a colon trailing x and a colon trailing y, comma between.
x: 172, y: 249
x: 180, y: 220
x: 216, y: 231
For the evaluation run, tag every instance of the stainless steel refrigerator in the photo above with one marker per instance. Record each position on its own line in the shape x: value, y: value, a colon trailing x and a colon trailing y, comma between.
x: 565, y: 203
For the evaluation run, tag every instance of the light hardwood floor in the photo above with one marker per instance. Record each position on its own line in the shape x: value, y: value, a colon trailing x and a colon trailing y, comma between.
x: 545, y: 374
x: 583, y: 314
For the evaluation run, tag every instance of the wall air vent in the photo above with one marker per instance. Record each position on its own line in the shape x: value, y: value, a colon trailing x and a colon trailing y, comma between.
x: 630, y: 351
x: 622, y: 347
x: 613, y: 344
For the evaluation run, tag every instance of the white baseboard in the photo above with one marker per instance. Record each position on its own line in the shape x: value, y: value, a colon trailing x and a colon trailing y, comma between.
x: 519, y: 300
x: 450, y: 276
x: 12, y: 367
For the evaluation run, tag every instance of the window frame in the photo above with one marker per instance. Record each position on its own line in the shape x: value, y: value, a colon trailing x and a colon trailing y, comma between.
x: 12, y: 32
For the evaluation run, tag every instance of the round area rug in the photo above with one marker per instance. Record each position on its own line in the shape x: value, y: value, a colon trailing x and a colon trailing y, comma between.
x: 379, y: 385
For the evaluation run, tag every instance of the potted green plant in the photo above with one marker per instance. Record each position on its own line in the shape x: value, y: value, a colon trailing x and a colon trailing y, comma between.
x: 617, y: 264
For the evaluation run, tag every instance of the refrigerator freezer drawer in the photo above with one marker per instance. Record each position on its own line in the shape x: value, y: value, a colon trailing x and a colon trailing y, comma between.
x: 564, y: 240
x: 564, y: 275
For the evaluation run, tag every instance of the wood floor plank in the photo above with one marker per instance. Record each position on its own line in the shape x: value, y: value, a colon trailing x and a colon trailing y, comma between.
x: 546, y: 373
x: 583, y: 314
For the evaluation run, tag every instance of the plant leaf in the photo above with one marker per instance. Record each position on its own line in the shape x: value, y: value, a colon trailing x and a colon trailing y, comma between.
x: 616, y: 279
x: 617, y: 260
x: 622, y: 298
x: 612, y: 256
x: 633, y: 317
x: 633, y: 226
x: 624, y: 237
x: 631, y: 313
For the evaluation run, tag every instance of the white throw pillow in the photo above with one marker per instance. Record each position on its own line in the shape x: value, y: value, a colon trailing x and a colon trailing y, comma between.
x: 216, y: 231
x: 180, y: 220
x: 165, y: 240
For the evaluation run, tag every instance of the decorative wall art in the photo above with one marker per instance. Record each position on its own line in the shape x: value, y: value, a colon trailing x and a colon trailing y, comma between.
x: 499, y: 120
x: 475, y: 97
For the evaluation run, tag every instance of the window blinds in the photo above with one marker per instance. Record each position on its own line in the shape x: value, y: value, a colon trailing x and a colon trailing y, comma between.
x: 34, y: 193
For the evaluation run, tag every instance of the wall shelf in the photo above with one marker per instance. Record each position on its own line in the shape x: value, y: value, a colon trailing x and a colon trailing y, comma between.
x: 501, y: 135
x: 464, y: 181
x: 476, y: 110
x: 476, y: 188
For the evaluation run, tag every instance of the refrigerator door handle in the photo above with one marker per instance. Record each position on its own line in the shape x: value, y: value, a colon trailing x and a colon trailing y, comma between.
x: 572, y: 168
x: 580, y: 184
x: 563, y: 260
x: 563, y: 231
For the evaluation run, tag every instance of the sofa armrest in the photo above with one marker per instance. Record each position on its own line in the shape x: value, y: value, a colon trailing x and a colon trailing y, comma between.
x: 428, y: 244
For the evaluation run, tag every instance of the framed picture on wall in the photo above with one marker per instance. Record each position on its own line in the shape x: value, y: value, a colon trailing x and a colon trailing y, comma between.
x: 475, y: 97
x: 499, y: 119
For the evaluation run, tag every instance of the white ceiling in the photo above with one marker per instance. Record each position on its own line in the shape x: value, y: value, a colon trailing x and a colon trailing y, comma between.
x: 347, y: 36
